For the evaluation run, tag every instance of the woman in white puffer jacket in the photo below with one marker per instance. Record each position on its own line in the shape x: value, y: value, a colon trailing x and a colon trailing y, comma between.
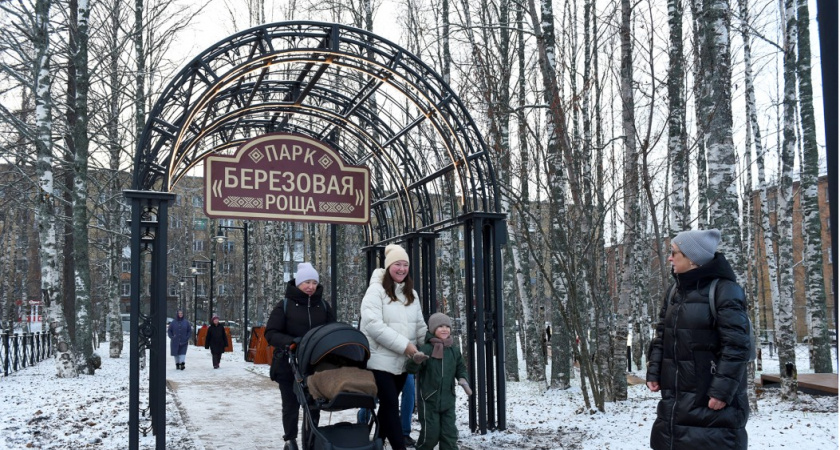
x: 392, y: 321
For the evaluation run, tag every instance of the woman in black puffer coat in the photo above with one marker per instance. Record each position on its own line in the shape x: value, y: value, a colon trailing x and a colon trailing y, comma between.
x: 303, y: 308
x: 216, y: 340
x: 699, y: 363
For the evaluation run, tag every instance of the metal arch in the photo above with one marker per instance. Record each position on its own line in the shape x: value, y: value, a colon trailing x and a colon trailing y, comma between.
x: 377, y: 105
x: 325, y: 76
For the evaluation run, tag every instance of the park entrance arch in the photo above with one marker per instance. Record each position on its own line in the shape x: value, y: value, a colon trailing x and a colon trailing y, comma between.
x: 378, y: 106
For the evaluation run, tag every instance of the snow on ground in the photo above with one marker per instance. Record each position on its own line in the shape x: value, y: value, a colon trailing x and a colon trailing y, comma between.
x: 238, y: 407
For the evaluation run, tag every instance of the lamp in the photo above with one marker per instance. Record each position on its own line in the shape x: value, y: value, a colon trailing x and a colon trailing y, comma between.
x: 219, y: 238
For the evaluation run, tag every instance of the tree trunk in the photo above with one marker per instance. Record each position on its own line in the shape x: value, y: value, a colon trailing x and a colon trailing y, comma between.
x: 45, y: 212
x: 677, y: 140
x: 783, y: 308
x: 631, y: 206
x: 820, y: 342
x: 753, y: 135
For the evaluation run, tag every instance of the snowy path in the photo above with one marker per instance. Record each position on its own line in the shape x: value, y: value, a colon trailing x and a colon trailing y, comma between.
x: 233, y: 407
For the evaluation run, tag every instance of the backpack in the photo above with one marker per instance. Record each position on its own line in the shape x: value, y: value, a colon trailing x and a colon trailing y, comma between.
x: 713, y: 307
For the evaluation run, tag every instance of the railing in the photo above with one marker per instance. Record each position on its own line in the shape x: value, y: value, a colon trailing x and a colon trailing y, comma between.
x: 19, y: 351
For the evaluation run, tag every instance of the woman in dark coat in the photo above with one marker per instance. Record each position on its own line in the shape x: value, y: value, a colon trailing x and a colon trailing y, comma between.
x: 216, y: 340
x: 697, y: 361
x: 303, y: 309
x: 179, y: 332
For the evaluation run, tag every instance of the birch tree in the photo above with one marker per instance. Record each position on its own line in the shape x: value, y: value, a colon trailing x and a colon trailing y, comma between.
x: 45, y: 212
x: 783, y: 305
x: 677, y: 137
x: 753, y: 138
x: 631, y: 204
x: 715, y: 102
x: 79, y: 61
x: 820, y: 342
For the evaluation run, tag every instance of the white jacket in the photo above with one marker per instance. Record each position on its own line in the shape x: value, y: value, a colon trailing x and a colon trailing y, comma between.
x: 390, y: 325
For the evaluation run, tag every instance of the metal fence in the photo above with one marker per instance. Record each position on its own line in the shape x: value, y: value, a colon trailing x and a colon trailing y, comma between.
x: 21, y: 350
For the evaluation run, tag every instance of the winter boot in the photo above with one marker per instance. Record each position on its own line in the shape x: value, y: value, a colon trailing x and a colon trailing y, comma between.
x: 182, y: 365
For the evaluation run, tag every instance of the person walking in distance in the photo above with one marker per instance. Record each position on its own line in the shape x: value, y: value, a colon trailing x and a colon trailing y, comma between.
x: 216, y: 340
x: 179, y: 332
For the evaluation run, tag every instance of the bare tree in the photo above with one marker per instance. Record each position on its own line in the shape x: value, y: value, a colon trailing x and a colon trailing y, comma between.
x: 783, y: 305
x: 812, y: 225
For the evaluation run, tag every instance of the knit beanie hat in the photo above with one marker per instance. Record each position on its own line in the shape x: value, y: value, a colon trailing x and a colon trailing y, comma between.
x: 698, y: 246
x: 394, y: 253
x: 437, y: 320
x: 306, y: 272
x: 215, y: 318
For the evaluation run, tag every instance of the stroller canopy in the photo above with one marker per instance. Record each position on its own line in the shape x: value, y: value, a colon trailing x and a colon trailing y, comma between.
x: 338, y: 343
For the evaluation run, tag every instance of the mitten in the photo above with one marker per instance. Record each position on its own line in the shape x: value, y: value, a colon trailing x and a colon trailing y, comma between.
x: 419, y: 357
x: 465, y: 386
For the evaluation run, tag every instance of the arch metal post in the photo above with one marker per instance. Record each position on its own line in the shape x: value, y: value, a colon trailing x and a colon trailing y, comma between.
x: 483, y: 237
x: 149, y: 216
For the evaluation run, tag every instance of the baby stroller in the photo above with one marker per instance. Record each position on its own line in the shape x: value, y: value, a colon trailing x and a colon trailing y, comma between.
x: 329, y: 364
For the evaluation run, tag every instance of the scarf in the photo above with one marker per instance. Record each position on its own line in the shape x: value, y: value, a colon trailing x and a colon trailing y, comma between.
x: 438, y: 343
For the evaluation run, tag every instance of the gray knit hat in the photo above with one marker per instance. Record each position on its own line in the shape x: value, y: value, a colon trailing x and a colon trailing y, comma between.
x: 699, y: 246
x: 437, y: 320
x: 306, y: 272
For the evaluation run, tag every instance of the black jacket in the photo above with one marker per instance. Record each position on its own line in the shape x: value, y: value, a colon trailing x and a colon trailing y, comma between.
x: 694, y: 357
x: 216, y: 338
x: 292, y: 317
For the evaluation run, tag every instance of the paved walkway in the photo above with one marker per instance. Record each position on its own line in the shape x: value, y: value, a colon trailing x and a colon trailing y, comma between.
x: 234, y: 407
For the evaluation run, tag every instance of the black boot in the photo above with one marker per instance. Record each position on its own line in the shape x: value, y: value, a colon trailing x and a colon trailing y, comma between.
x: 182, y: 366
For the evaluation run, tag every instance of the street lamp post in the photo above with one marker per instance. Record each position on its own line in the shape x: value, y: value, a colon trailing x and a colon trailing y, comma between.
x: 221, y: 237
x: 194, y: 270
x: 195, y: 304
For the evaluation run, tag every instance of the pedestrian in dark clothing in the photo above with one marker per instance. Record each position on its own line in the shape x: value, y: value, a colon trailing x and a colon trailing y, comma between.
x: 216, y: 340
x: 179, y: 339
x: 436, y: 381
x: 697, y: 361
x: 302, y: 309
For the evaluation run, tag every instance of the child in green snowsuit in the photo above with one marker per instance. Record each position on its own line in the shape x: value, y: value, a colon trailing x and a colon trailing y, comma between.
x: 436, y: 383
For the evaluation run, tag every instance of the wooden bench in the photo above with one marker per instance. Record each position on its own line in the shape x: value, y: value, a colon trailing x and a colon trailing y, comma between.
x: 809, y: 383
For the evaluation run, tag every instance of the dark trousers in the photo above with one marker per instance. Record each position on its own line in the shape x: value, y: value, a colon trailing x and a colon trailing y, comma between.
x: 388, y: 387
x: 291, y: 410
x: 217, y: 358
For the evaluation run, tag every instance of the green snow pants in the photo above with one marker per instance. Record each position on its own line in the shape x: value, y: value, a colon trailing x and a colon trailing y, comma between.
x: 436, y: 427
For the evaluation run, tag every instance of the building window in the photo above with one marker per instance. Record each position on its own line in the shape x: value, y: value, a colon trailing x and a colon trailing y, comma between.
x: 197, y: 201
x: 222, y: 289
x: 228, y: 246
x: 198, y: 245
x: 173, y: 290
x: 125, y: 289
x: 125, y: 266
x: 202, y: 290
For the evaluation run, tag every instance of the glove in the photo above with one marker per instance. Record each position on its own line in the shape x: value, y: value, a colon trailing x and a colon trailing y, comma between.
x: 419, y: 357
x: 294, y: 345
x: 465, y: 386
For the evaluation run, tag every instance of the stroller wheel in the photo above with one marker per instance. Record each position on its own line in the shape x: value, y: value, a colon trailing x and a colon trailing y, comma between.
x: 290, y: 445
